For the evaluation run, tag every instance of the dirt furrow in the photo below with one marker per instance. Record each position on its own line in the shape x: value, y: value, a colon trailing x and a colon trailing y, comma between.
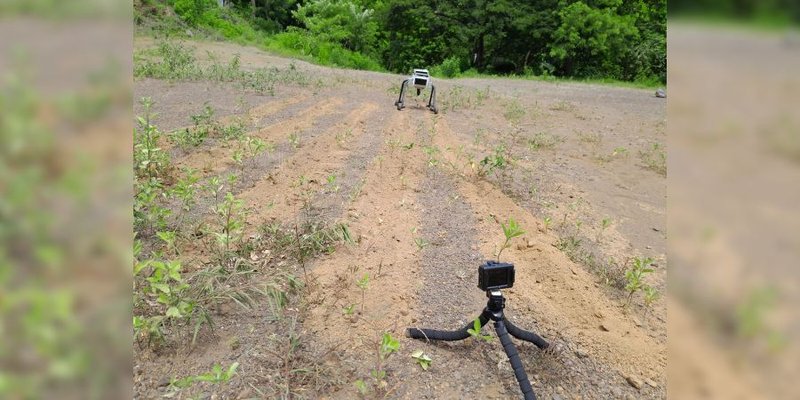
x: 382, y: 216
x: 216, y: 156
x: 568, y: 302
x: 292, y: 184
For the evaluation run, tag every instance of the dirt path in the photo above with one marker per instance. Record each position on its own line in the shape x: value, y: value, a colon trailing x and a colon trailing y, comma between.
x: 422, y: 220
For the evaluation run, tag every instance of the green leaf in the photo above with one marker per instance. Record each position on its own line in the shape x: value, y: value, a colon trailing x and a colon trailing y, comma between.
x: 162, y: 287
x: 173, y: 312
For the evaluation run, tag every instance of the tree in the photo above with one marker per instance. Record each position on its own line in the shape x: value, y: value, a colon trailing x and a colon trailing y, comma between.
x: 340, y: 21
x: 593, y: 42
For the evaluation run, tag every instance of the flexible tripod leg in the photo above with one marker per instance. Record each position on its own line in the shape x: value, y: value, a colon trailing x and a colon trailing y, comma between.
x: 434, y: 334
x: 522, y: 334
x: 516, y: 363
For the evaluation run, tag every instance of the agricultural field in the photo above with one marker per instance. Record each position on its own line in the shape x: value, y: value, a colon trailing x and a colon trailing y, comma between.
x: 291, y: 224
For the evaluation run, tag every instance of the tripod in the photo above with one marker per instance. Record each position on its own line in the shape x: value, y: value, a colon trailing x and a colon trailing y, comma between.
x: 494, y: 312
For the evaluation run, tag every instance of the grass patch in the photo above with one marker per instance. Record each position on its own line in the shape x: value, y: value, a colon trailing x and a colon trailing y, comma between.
x: 655, y: 158
x: 171, y: 60
x: 543, y: 140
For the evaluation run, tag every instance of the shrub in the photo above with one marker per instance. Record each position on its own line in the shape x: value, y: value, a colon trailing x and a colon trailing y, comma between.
x: 449, y: 68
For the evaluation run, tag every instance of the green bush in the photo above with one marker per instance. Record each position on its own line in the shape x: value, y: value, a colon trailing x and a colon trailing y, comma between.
x: 449, y: 68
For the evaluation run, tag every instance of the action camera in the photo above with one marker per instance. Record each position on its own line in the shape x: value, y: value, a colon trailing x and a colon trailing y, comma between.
x: 494, y: 275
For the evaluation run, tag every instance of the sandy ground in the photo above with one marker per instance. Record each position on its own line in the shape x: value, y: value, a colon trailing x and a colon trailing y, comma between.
x: 424, y: 220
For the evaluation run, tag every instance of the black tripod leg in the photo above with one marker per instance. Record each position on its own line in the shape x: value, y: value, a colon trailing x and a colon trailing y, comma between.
x: 433, y: 334
x: 516, y: 363
x: 522, y: 334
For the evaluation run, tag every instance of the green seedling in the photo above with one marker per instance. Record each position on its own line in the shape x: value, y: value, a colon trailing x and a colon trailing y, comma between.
x: 332, y: 186
x: 387, y: 347
x: 634, y: 276
x: 186, y: 189
x: 431, y: 152
x: 216, y: 376
x: 510, y: 230
x: 604, y: 224
x: 547, y: 221
x: 475, y: 331
x: 294, y: 140
x: 655, y: 158
x: 342, y: 137
x: 362, y: 284
x: 408, y: 146
x: 421, y: 243
x: 349, y: 309
x: 422, y: 359
x: 361, y: 386
x: 168, y: 237
x: 650, y: 296
x: 493, y: 163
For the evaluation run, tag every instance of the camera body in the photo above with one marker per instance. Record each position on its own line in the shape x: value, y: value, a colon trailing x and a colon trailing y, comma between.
x: 494, y: 275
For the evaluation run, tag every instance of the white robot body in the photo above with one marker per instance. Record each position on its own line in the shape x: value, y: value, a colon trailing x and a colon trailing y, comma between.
x: 421, y: 80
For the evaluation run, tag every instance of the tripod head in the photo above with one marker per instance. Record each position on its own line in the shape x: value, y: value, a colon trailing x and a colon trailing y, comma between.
x: 495, y: 305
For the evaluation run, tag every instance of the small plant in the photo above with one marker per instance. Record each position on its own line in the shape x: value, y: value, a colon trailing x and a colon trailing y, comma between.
x: 349, y: 309
x: 547, y: 221
x: 217, y: 375
x: 148, y: 214
x: 650, y: 296
x: 752, y: 318
x: 475, y: 331
x: 593, y: 138
x: 655, y: 158
x: 514, y: 112
x: 431, y: 152
x: 332, y: 186
x: 294, y: 140
x: 234, y: 131
x: 356, y: 191
x: 173, y: 302
x: 186, y: 189
x: 168, y: 237
x: 563, y: 106
x: 421, y: 243
x: 387, y: 346
x: 363, y: 284
x: 408, y: 146
x: 343, y: 137
x: 634, y: 276
x: 618, y: 152
x: 249, y: 148
x: 230, y: 219
x: 604, y: 224
x: 510, y: 230
x: 150, y: 161
x: 494, y: 163
x: 422, y: 359
x: 542, y: 140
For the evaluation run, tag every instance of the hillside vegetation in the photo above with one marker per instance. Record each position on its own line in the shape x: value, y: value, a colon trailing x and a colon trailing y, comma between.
x: 594, y: 39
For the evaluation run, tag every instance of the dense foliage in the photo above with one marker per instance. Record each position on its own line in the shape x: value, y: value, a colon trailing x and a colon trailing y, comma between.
x: 604, y: 39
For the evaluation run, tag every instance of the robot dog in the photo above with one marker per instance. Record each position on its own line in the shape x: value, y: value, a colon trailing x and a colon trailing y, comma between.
x: 421, y: 80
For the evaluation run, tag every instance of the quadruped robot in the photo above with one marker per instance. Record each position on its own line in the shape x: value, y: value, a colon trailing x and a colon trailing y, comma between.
x: 421, y: 80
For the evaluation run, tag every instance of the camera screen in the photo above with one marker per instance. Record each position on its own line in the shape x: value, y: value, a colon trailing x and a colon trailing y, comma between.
x: 420, y: 81
x: 497, y: 277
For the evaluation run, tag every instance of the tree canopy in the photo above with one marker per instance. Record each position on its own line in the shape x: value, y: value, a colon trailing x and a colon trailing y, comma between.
x: 607, y: 39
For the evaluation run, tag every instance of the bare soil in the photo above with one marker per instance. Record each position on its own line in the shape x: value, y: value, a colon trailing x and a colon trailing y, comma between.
x: 423, y: 219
